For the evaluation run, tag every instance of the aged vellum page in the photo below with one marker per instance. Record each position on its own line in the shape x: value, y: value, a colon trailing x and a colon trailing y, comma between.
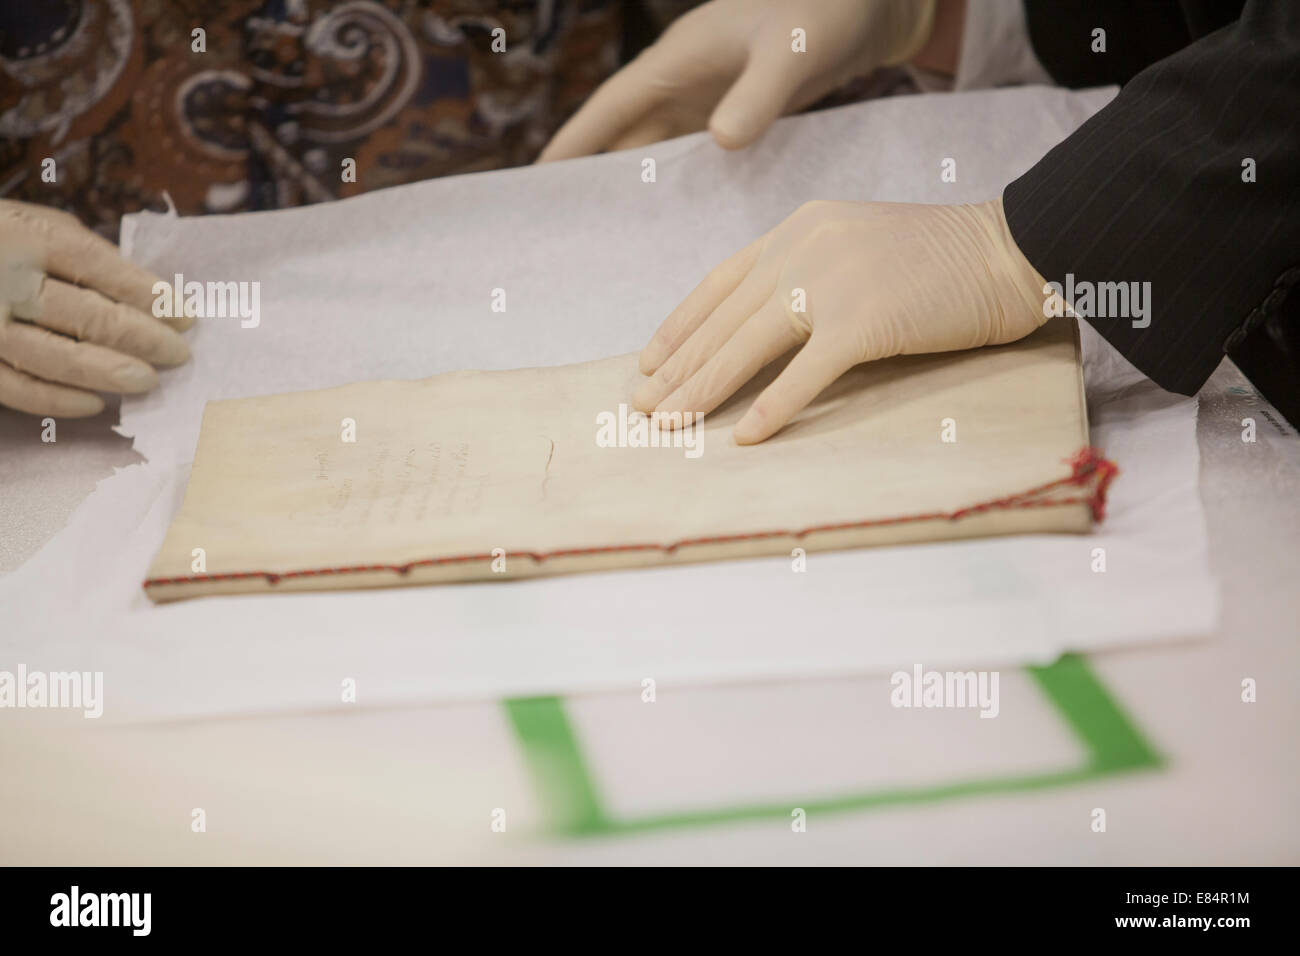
x: 498, y: 475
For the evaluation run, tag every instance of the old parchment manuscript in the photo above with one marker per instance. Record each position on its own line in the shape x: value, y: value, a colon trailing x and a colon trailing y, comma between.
x: 501, y: 475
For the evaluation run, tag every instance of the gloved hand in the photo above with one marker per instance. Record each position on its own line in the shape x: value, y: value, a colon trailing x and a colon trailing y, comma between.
x: 729, y: 65
x: 74, y: 316
x: 877, y: 280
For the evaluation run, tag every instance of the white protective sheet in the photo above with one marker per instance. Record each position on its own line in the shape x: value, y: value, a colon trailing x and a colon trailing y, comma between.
x: 399, y: 284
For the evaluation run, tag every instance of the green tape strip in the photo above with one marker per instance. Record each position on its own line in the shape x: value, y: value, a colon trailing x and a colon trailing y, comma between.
x: 1101, y: 724
x: 572, y: 807
x: 564, y: 788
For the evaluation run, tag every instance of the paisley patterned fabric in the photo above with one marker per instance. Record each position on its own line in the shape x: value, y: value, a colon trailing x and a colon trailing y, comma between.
x: 281, y: 95
x: 268, y: 110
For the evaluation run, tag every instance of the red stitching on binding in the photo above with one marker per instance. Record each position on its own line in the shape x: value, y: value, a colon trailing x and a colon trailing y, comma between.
x: 1087, y: 467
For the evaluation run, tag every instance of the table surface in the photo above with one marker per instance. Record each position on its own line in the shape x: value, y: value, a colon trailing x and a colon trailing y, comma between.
x: 1216, y: 783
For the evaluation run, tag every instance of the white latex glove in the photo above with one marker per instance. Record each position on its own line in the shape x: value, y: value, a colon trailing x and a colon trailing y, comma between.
x: 878, y: 279
x: 75, y: 317
x: 729, y: 65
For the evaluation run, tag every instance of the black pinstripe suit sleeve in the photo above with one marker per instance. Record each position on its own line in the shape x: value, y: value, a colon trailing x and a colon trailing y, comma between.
x: 1151, y: 189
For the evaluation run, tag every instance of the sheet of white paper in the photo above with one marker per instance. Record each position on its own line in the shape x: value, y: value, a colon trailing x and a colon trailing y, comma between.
x: 400, y: 283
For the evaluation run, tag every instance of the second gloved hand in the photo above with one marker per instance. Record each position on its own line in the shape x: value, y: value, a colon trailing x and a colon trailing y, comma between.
x: 732, y: 65
x: 850, y: 282
x: 75, y: 317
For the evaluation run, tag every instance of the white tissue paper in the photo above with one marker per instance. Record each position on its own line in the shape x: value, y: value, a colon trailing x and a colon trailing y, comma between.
x: 591, y: 257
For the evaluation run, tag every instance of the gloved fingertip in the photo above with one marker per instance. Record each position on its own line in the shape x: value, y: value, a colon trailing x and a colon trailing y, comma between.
x: 133, y: 377
x: 749, y: 430
x: 561, y: 147
x: 174, y: 351
x: 80, y: 405
x: 731, y: 136
x: 645, y: 398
